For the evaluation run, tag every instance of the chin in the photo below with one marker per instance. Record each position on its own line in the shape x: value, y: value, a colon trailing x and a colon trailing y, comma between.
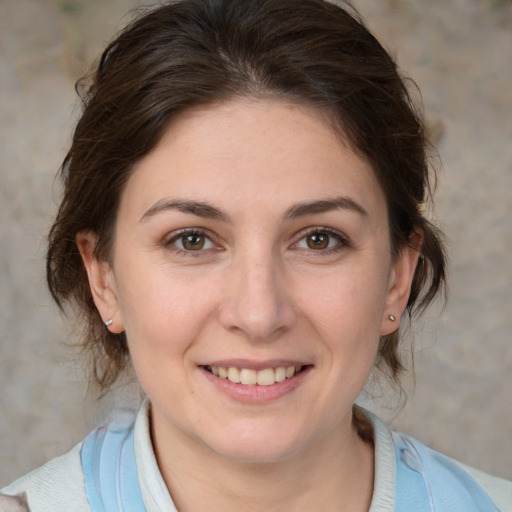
x: 257, y: 455
x: 258, y: 448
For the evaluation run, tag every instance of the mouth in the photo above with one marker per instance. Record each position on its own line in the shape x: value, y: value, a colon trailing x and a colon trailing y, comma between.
x: 252, y: 377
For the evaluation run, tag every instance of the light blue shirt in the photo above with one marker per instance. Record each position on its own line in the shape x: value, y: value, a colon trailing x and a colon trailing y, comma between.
x: 115, y: 468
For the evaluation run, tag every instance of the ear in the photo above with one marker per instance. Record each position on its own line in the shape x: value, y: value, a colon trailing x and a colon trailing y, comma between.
x: 400, y: 283
x: 101, y: 281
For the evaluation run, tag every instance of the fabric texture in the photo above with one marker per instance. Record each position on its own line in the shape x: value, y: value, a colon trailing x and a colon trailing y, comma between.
x: 427, y: 480
x: 57, y: 486
x: 115, y: 469
x: 110, y: 469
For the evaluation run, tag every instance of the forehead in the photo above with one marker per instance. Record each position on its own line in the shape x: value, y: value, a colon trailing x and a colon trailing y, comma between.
x: 251, y: 154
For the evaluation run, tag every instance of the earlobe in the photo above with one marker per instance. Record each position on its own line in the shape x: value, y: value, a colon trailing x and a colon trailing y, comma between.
x: 400, y: 283
x: 101, y: 282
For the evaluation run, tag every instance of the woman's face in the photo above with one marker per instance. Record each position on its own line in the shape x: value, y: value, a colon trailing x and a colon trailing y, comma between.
x: 252, y: 242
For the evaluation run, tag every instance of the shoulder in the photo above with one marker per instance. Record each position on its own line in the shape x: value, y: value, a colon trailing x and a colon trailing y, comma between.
x: 499, y: 489
x: 411, y: 476
x: 56, y: 486
x: 63, y: 484
x: 447, y: 481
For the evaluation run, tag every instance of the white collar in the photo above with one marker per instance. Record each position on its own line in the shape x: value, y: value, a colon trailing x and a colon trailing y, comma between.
x: 155, y: 494
x: 157, y: 498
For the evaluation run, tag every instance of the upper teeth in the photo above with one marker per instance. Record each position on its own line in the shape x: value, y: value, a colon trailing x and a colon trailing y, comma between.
x: 247, y: 376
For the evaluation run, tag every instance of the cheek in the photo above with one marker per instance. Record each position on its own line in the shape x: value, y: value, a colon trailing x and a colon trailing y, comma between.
x: 346, y: 311
x: 350, y: 296
x: 162, y: 313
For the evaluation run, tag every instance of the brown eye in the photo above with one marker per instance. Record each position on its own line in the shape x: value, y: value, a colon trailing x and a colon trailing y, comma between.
x: 318, y: 241
x: 322, y: 240
x: 193, y: 242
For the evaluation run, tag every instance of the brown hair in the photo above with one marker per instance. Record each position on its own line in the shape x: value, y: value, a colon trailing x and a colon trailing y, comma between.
x: 194, y: 52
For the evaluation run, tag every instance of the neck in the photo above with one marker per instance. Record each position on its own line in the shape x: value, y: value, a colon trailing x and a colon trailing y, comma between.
x: 336, y: 474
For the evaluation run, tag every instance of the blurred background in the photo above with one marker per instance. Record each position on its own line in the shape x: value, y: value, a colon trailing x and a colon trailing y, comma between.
x: 459, y: 53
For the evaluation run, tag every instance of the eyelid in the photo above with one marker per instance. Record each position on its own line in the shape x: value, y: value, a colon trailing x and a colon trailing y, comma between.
x: 177, y: 234
x: 342, y: 238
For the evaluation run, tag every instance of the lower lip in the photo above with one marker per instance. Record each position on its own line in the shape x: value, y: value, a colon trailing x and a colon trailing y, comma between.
x: 257, y: 394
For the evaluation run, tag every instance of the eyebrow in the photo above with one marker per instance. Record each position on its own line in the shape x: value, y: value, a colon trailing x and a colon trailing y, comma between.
x: 198, y: 208
x: 207, y: 211
x: 325, y: 205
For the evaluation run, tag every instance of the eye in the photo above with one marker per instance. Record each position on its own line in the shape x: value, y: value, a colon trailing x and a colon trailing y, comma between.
x: 321, y: 240
x: 191, y: 241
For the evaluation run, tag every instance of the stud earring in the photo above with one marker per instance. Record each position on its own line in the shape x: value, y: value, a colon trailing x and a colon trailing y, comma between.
x: 392, y: 317
x: 108, y: 322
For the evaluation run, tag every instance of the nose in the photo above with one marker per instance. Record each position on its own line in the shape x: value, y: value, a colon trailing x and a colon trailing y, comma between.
x: 258, y: 300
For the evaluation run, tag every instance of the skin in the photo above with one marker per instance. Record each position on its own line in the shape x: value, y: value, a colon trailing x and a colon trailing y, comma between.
x: 271, y: 179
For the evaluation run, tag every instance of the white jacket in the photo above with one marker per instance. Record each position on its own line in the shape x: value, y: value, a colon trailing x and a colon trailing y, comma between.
x: 59, y: 485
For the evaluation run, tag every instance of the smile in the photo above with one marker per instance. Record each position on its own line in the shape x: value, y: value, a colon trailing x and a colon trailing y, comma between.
x: 250, y: 377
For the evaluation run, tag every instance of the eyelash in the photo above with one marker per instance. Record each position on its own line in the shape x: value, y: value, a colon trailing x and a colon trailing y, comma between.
x: 181, y: 234
x: 342, y: 241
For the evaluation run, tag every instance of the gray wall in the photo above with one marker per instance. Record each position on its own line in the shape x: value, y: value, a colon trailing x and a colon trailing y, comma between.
x: 460, y: 54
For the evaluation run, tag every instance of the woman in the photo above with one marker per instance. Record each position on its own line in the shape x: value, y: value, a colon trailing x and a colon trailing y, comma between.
x: 242, y: 223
